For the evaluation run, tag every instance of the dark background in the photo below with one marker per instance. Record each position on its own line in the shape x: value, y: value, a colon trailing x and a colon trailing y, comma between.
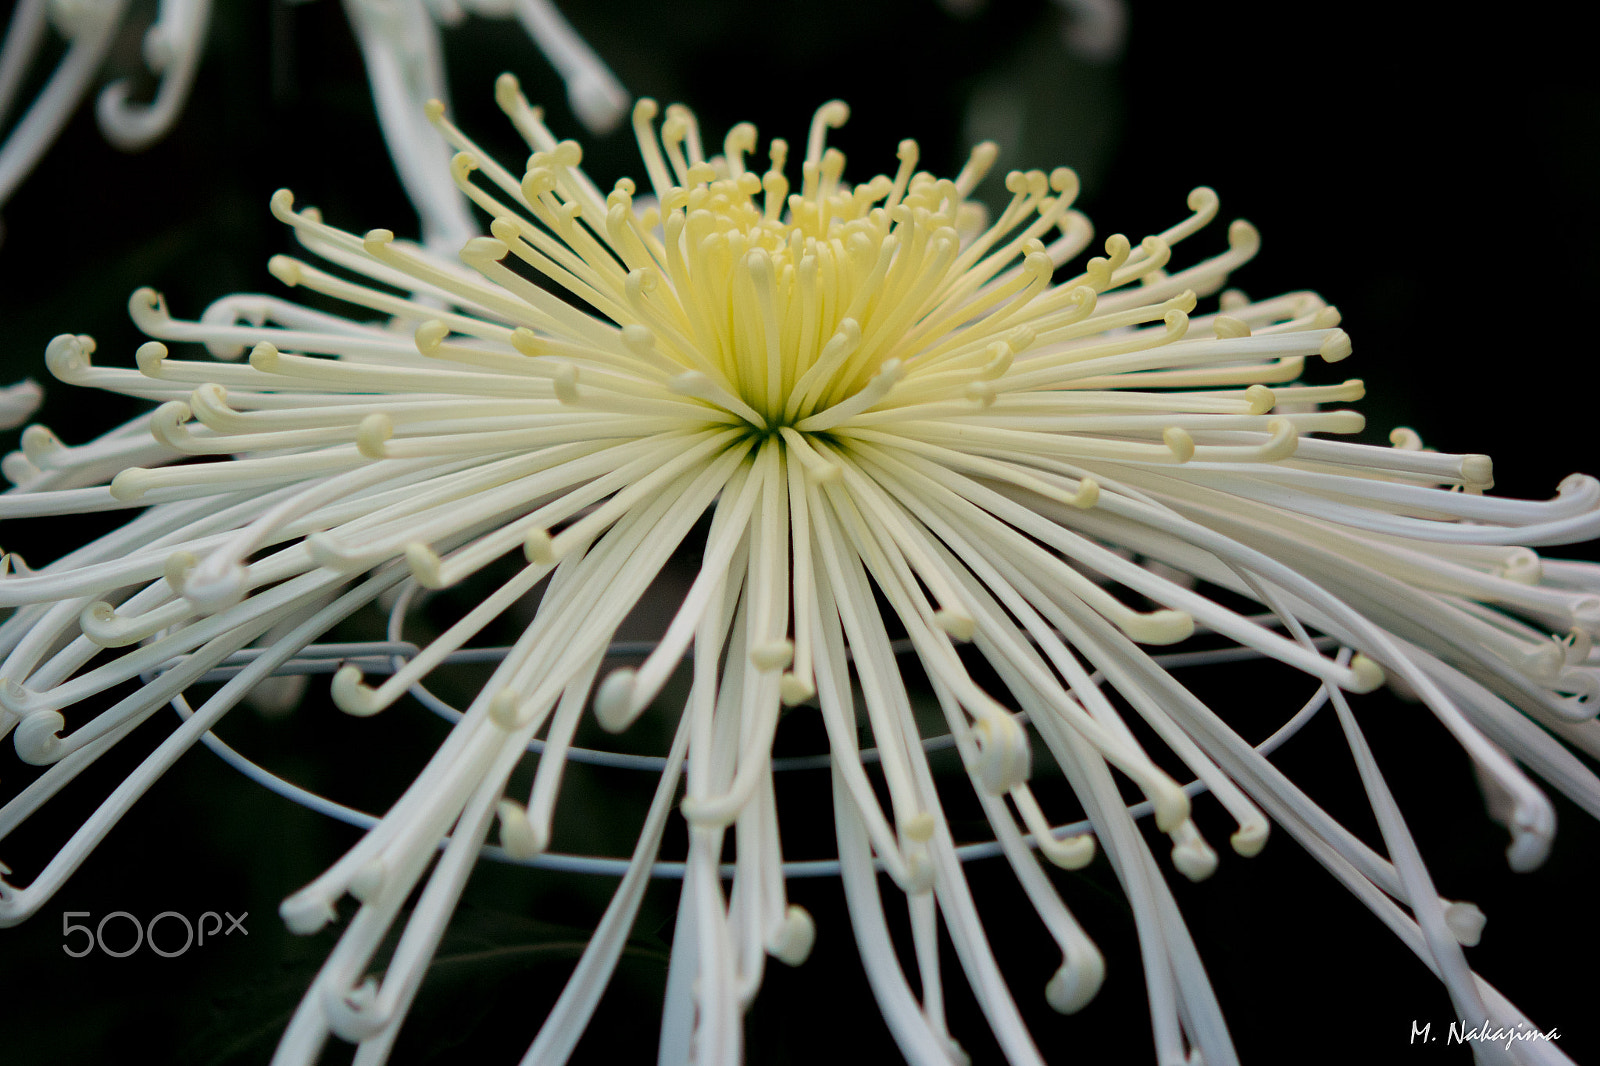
x: 1434, y: 180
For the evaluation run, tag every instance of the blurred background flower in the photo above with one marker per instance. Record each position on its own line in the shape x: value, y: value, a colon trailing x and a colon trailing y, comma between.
x: 400, y: 46
x: 1432, y: 180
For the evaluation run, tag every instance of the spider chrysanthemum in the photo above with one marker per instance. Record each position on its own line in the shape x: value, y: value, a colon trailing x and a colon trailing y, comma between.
x: 876, y: 416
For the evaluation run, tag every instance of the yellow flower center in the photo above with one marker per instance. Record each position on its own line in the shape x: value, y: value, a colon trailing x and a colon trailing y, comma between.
x: 791, y: 308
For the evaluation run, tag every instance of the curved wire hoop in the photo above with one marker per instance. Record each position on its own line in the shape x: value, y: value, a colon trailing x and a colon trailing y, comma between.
x: 388, y: 656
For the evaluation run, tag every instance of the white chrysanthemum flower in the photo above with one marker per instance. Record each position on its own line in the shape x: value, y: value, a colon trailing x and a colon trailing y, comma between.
x: 89, y: 27
x: 892, y: 423
x: 399, y: 41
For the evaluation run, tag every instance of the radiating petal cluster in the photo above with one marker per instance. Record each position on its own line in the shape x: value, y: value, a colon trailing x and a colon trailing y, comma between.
x: 878, y: 419
x: 400, y: 44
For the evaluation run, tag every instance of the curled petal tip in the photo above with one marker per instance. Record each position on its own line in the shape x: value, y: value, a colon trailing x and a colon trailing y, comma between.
x: 352, y: 695
x: 306, y: 914
x: 1369, y: 676
x: 1165, y: 626
x: 1077, y: 982
x: 1005, y: 757
x: 1194, y: 859
x: 1250, y: 837
x: 1466, y: 922
x: 426, y: 566
x: 1070, y: 853
x: 958, y: 625
x: 265, y: 357
x: 776, y: 655
x: 38, y: 737
x: 613, y: 701
x: 286, y: 269
x: 1477, y: 472
x: 1171, y: 803
x: 794, y: 690
x: 539, y: 547
x: 796, y: 936
x: 132, y: 483
x: 374, y: 431
x: 215, y: 587
x: 507, y: 90
x: 1336, y: 348
x: 506, y: 709
x: 1532, y: 831
x: 518, y: 835
x: 67, y: 356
